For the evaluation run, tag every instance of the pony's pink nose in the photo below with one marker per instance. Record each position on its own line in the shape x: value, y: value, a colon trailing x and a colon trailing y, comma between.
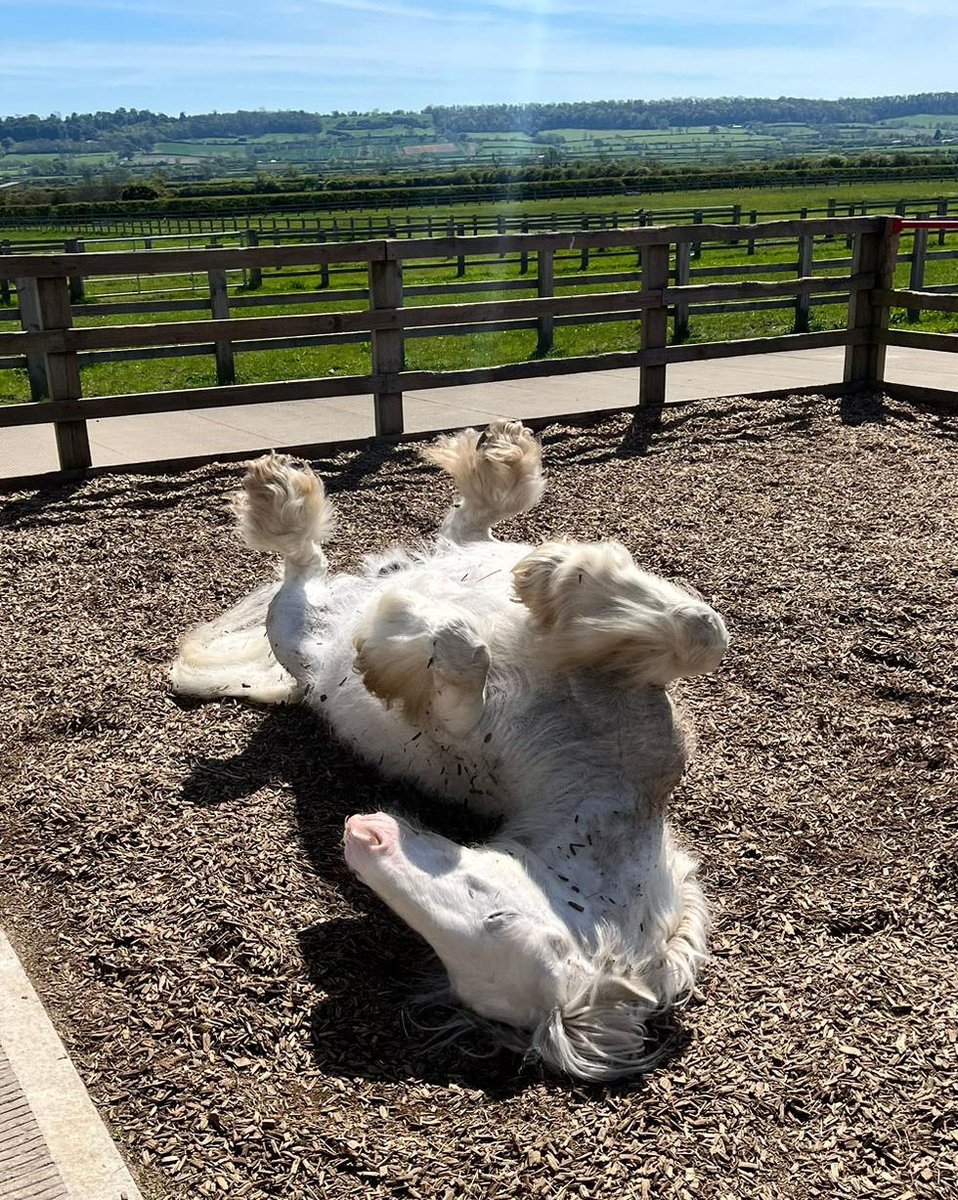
x: 371, y: 833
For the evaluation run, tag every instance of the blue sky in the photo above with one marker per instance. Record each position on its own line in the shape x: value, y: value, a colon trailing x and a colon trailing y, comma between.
x: 199, y: 55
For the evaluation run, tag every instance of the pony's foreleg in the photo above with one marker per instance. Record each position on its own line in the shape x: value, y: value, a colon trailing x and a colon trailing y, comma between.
x: 284, y: 510
x: 499, y: 474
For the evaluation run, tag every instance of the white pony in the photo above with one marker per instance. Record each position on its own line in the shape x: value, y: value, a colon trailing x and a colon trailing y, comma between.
x: 528, y: 682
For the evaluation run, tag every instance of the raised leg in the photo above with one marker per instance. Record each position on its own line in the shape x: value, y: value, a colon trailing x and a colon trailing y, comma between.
x: 283, y: 510
x: 427, y: 657
x: 262, y: 648
x: 499, y: 474
x: 593, y: 609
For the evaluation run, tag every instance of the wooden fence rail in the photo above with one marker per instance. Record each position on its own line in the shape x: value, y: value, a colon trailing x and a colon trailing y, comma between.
x: 50, y: 345
x: 293, y: 224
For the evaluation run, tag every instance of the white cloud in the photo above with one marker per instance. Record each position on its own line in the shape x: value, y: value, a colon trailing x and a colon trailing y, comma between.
x: 324, y: 54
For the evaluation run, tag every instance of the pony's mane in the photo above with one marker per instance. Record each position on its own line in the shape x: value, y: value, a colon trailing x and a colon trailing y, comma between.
x: 608, y: 1025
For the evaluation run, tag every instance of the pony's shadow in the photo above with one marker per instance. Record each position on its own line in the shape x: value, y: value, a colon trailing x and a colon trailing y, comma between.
x: 371, y: 969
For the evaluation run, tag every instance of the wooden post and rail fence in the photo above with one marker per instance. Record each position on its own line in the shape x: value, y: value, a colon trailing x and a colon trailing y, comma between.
x: 280, y: 227
x: 53, y: 348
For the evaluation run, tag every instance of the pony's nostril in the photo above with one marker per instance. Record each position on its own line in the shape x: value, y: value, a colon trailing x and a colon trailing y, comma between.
x: 372, y: 833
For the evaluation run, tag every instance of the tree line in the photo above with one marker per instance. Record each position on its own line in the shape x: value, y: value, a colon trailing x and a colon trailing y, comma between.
x: 132, y: 129
x: 512, y: 184
x: 665, y: 114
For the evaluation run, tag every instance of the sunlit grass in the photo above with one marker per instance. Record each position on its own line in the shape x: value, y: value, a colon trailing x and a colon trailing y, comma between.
x: 440, y: 353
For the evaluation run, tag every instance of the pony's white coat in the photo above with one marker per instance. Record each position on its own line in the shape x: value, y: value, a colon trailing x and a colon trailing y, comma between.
x: 582, y: 918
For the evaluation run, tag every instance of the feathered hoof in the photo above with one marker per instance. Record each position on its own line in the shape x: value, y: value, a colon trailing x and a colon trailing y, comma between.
x: 498, y: 471
x: 283, y: 509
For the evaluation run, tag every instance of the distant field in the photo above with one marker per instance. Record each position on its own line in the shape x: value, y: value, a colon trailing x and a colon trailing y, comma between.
x: 346, y: 143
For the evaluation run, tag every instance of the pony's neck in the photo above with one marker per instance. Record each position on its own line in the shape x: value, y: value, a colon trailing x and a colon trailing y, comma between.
x: 602, y: 848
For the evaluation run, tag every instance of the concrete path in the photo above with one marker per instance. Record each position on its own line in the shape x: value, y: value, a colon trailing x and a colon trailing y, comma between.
x: 31, y: 449
x: 53, y: 1145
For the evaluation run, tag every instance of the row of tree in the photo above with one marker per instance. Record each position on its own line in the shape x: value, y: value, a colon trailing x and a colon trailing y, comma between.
x: 139, y: 128
x: 116, y: 194
x: 665, y: 114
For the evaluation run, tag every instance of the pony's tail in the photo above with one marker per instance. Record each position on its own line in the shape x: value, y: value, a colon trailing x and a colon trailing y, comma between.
x: 231, y: 656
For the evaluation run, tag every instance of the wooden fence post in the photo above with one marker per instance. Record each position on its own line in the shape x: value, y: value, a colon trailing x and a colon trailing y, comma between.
x: 545, y: 287
x: 45, y: 306
x: 388, y: 353
x: 655, y: 325
x: 461, y: 258
x: 943, y: 215
x: 255, y: 273
x: 916, y: 280
x: 875, y: 256
x: 450, y: 234
x: 736, y: 219
x: 31, y: 321
x: 584, y: 256
x: 698, y: 218
x: 683, y: 254
x: 323, y: 266
x: 806, y: 253
x: 220, y: 311
x: 4, y: 282
x: 77, y: 295
x: 524, y: 254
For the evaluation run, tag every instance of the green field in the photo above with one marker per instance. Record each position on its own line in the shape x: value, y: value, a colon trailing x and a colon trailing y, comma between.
x: 444, y: 353
x: 344, y: 143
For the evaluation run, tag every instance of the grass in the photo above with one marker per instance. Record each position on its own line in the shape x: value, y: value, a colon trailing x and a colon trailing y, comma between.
x: 762, y: 200
x: 448, y: 353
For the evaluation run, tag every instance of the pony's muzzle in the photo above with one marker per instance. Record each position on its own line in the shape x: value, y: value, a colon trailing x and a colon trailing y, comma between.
x: 370, y: 834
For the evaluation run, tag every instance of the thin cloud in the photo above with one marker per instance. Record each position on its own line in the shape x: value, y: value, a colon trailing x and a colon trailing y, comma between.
x: 410, y: 53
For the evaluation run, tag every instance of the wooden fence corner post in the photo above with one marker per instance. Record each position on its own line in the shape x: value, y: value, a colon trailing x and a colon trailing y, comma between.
x: 655, y: 326
x: 45, y: 307
x: 875, y: 257
x: 388, y: 351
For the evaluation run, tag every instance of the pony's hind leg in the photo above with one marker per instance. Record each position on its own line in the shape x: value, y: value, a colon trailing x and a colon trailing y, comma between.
x: 283, y: 510
x: 261, y: 648
x: 499, y: 474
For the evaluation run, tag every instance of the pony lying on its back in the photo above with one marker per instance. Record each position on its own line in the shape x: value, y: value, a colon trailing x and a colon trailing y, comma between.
x: 581, y: 918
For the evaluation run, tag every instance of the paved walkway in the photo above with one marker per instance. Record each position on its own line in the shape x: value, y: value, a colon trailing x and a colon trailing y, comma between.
x: 31, y: 449
x: 53, y: 1145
